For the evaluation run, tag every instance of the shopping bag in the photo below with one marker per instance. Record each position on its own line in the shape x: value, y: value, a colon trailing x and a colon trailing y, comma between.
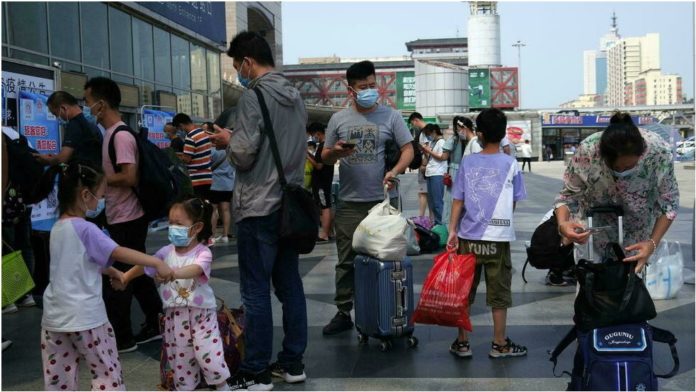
x: 412, y: 247
x: 231, y: 327
x: 16, y: 278
x: 444, y: 298
x: 382, y: 234
x: 664, y: 275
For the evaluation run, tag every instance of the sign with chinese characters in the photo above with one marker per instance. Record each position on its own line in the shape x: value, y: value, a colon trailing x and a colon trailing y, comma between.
x: 37, y: 124
x: 12, y: 84
x: 206, y: 18
x: 406, y: 90
x: 154, y: 121
x: 599, y: 121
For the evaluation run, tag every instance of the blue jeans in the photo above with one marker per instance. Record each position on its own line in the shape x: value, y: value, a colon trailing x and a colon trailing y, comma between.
x: 436, y: 193
x: 263, y: 259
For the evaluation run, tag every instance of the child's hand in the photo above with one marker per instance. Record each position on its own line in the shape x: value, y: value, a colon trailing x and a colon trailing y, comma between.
x: 118, y: 280
x: 452, y: 241
x: 164, y: 273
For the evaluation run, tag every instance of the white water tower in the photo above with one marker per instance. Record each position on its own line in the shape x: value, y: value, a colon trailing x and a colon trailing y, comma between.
x: 484, y: 34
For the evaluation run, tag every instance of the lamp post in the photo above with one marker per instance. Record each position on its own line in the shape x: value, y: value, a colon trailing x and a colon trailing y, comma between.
x: 519, y: 45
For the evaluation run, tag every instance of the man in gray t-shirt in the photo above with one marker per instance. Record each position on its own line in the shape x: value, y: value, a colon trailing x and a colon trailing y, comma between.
x: 356, y: 136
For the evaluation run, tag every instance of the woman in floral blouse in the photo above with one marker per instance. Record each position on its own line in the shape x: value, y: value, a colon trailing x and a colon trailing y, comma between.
x: 621, y: 166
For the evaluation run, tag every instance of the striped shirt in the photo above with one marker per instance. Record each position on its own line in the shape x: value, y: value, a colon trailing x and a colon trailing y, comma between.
x: 197, y: 146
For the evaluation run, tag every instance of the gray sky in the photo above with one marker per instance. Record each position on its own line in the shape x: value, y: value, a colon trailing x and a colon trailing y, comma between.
x: 556, y: 34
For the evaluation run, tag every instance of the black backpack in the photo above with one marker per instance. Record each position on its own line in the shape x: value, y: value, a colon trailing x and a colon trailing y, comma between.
x: 392, y: 153
x: 428, y: 241
x: 545, y: 250
x: 157, y: 187
x: 24, y: 170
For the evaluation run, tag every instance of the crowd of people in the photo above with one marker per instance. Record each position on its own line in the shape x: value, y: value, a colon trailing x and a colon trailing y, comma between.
x: 95, y: 273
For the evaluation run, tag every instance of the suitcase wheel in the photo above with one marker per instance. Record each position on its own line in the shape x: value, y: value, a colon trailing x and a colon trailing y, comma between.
x: 412, y: 342
x: 385, y: 345
x: 362, y: 339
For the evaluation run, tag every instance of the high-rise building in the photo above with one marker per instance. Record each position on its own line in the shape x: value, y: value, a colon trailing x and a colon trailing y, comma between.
x: 654, y: 88
x: 595, y: 67
x: 626, y: 60
x: 590, y: 74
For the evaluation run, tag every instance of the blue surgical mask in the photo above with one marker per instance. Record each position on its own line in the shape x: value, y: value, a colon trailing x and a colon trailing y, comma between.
x: 625, y: 173
x: 92, y: 214
x: 179, y: 235
x: 87, y: 112
x: 367, y: 98
x: 242, y: 80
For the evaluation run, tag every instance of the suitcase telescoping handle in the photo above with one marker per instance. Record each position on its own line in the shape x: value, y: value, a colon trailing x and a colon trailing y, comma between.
x: 607, y: 209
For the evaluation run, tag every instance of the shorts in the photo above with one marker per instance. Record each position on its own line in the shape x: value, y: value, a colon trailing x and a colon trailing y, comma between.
x: 322, y: 194
x: 202, y: 191
x: 494, y: 258
x: 217, y: 197
x: 422, y: 183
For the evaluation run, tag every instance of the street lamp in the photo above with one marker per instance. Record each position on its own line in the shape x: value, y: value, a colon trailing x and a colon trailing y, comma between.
x: 519, y: 45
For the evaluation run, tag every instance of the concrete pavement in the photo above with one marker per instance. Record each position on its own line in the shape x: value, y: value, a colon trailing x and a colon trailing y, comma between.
x: 539, y: 318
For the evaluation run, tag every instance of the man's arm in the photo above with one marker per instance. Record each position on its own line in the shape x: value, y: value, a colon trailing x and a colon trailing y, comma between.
x: 126, y: 178
x: 50, y: 159
x: 247, y: 134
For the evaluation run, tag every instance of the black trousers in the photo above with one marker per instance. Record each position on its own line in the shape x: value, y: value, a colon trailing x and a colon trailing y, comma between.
x: 132, y: 235
x: 527, y: 161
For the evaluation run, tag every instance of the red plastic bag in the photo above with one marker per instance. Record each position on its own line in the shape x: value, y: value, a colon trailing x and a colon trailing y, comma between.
x: 444, y: 299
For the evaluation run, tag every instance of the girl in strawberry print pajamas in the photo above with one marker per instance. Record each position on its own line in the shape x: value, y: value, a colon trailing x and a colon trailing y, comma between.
x: 74, y: 325
x: 192, y: 339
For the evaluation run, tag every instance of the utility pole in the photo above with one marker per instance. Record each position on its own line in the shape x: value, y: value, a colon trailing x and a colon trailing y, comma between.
x: 519, y: 45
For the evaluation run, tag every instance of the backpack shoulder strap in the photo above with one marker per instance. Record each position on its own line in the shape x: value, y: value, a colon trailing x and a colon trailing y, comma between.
x: 569, y: 338
x: 112, y: 147
x: 664, y: 336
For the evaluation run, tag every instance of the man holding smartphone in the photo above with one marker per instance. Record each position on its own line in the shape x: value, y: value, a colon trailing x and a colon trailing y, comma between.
x: 357, y: 135
x: 197, y: 155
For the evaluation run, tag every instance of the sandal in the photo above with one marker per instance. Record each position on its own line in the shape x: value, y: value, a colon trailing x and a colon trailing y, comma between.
x: 510, y: 349
x: 460, y: 349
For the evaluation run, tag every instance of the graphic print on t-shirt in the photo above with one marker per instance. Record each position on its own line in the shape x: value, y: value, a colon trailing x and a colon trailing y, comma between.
x: 367, y: 138
x: 487, y: 182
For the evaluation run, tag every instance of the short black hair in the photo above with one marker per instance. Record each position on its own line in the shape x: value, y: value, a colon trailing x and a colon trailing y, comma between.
x: 210, y: 125
x: 61, y: 98
x: 105, y: 89
x: 431, y: 127
x: 250, y: 44
x: 414, y: 116
x: 621, y: 139
x: 181, y: 119
x: 492, y: 123
x: 168, y: 124
x: 360, y: 71
x: 316, y: 127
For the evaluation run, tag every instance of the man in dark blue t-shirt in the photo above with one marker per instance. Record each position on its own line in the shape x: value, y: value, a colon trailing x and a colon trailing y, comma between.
x: 81, y: 138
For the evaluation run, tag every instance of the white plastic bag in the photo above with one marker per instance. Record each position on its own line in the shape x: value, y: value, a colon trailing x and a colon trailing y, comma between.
x: 664, y: 276
x: 382, y: 234
x: 412, y: 247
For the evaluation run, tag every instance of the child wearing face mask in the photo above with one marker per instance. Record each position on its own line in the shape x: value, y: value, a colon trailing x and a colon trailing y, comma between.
x: 190, y: 327
x: 74, y: 325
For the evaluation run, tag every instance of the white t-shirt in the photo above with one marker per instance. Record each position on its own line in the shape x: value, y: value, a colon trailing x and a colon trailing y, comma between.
x: 73, y: 299
x: 526, y: 151
x: 193, y: 293
x: 473, y: 147
x: 436, y: 167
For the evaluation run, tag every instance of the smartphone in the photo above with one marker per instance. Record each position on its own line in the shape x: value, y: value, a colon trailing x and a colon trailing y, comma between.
x: 348, y: 145
x: 592, y: 229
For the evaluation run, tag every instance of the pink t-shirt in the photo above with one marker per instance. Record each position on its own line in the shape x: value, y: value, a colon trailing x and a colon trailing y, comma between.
x: 121, y: 203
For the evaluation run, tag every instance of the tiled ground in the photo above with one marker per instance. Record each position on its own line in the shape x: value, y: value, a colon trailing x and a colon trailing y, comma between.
x: 540, y: 317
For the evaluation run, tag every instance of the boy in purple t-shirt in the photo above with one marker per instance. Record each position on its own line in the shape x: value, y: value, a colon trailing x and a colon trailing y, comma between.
x: 484, y: 194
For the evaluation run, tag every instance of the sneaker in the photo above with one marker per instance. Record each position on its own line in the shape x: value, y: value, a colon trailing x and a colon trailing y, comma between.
x: 6, y: 343
x: 460, y: 349
x: 27, y: 302
x: 553, y: 279
x: 245, y: 381
x: 292, y: 373
x: 127, y: 347
x: 11, y: 308
x: 148, y: 334
x: 341, y: 322
x: 510, y: 349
